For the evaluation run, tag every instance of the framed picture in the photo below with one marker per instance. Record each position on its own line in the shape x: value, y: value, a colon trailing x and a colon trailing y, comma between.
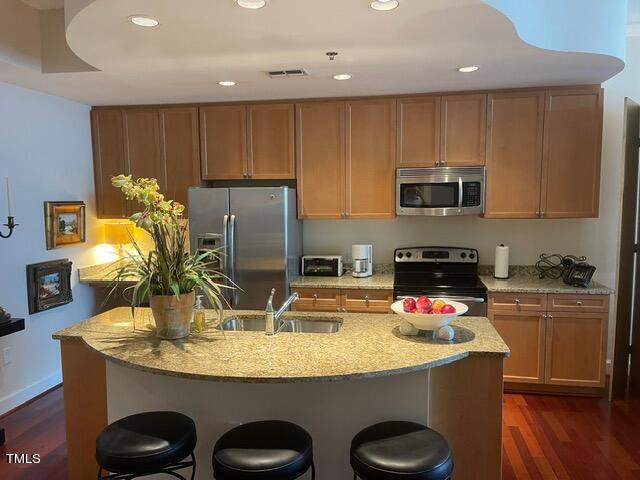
x: 49, y: 284
x: 64, y: 223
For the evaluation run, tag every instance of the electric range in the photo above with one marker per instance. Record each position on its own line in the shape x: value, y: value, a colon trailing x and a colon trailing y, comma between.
x: 445, y: 272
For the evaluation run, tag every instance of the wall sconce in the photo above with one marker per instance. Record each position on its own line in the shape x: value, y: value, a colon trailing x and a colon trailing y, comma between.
x: 119, y: 233
x: 10, y: 221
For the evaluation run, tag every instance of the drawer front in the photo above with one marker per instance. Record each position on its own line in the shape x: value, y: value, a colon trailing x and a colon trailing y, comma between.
x: 317, y: 300
x: 518, y: 302
x: 578, y: 303
x: 367, y: 301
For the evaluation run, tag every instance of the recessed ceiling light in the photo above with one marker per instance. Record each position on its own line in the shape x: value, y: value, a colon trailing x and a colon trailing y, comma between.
x: 383, y: 5
x: 143, y: 21
x: 469, y: 69
x: 342, y: 76
x: 226, y: 83
x: 252, y: 4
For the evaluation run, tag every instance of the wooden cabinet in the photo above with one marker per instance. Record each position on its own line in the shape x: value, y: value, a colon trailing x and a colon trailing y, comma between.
x: 463, y: 130
x: 576, y: 349
x: 346, y: 159
x: 223, y: 142
x: 514, y: 154
x: 572, y: 152
x: 180, y: 152
x: 108, y: 160
x: 418, y: 135
x: 144, y: 142
x: 320, y: 159
x: 343, y: 300
x: 524, y: 333
x: 370, y: 159
x: 271, y: 141
x: 557, y: 340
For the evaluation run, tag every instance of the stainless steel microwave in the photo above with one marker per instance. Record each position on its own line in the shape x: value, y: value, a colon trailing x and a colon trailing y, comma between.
x: 440, y: 191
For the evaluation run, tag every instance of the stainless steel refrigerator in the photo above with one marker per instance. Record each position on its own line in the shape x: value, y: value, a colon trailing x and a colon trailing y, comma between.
x: 259, y: 235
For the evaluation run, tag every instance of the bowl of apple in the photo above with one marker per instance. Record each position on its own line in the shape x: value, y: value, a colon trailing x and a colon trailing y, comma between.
x: 427, y: 314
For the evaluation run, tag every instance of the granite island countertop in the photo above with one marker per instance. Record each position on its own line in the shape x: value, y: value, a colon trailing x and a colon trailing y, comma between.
x: 367, y: 345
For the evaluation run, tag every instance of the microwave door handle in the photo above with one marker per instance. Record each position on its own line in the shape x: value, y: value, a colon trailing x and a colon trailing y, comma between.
x: 460, y: 196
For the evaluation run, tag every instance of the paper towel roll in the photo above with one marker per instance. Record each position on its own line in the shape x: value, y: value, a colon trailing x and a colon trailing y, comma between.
x: 501, y: 265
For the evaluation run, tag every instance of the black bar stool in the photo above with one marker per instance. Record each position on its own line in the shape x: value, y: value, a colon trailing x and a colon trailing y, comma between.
x: 400, y: 450
x: 266, y: 450
x: 146, y: 443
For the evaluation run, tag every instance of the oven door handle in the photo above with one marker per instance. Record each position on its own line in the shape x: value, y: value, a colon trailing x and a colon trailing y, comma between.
x: 460, y: 299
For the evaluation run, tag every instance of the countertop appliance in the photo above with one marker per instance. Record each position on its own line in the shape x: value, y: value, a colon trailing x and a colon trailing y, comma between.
x: 322, y: 265
x: 362, y: 257
x: 440, y: 191
x: 447, y: 272
x: 258, y: 233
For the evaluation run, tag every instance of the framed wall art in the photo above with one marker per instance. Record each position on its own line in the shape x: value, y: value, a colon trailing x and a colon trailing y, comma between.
x: 64, y: 223
x: 49, y: 285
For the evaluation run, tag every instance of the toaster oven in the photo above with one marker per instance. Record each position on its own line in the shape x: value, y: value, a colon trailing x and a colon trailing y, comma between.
x: 322, y: 265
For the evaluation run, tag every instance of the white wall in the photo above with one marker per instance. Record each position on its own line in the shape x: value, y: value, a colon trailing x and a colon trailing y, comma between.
x: 45, y: 148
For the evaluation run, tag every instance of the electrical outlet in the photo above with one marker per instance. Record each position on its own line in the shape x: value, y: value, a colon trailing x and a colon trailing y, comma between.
x: 6, y: 356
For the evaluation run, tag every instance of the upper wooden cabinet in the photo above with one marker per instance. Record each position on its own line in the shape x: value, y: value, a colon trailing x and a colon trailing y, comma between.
x: 144, y: 142
x: 271, y: 141
x: 463, y: 121
x: 346, y: 159
x: 247, y: 141
x: 572, y: 152
x: 418, y: 136
x: 223, y: 142
x: 320, y: 152
x: 108, y: 160
x: 180, y: 151
x: 370, y: 166
x: 514, y: 154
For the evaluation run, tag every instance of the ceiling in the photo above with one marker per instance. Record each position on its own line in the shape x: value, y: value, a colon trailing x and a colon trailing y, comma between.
x: 415, y: 48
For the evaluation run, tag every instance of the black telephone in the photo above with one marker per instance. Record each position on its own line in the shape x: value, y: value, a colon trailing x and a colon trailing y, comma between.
x: 577, y: 274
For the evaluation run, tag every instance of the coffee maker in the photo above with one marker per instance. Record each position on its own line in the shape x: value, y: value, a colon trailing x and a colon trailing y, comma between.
x: 362, y: 256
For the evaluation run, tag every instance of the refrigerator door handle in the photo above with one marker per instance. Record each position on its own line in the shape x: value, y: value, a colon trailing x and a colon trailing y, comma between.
x: 225, y: 259
x: 232, y: 257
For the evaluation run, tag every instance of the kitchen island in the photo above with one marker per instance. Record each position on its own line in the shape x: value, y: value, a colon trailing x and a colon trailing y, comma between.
x: 332, y: 384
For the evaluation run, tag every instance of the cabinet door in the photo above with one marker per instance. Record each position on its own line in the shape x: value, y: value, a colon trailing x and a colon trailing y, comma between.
x: 317, y: 300
x: 223, y: 142
x: 518, y: 301
x: 576, y: 349
x: 418, y: 136
x: 271, y: 141
x: 463, y: 129
x: 524, y: 334
x: 572, y: 151
x: 320, y: 152
x: 514, y: 154
x: 108, y: 160
x: 367, y: 301
x: 180, y: 151
x: 371, y: 148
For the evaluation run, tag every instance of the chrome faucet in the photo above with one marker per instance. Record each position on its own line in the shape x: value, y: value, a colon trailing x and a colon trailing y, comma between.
x: 271, y: 318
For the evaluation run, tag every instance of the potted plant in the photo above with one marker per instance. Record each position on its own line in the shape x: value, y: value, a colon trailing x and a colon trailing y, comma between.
x: 168, y: 275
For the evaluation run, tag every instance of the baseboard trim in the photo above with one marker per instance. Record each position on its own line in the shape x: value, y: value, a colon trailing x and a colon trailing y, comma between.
x: 27, y: 394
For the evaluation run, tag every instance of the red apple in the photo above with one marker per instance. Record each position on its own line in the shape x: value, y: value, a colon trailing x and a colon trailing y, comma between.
x: 436, y: 311
x: 448, y: 309
x: 422, y: 310
x: 424, y: 303
x: 409, y: 305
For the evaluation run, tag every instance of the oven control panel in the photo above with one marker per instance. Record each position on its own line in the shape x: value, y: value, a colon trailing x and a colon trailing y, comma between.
x: 436, y: 255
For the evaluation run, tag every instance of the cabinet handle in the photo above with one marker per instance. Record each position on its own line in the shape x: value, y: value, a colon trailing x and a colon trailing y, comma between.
x: 542, y: 214
x: 315, y: 297
x: 517, y: 300
x: 579, y: 303
x: 366, y: 300
x: 544, y: 315
x: 337, y: 309
x: 550, y: 317
x: 344, y: 309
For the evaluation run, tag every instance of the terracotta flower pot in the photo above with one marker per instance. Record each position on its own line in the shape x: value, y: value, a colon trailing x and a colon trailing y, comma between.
x: 172, y: 314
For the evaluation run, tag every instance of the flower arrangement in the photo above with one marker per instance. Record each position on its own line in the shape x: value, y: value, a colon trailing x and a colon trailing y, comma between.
x: 169, y: 270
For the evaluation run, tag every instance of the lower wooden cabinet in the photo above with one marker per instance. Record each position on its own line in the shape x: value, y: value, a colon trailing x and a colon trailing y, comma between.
x: 343, y: 300
x: 557, y: 341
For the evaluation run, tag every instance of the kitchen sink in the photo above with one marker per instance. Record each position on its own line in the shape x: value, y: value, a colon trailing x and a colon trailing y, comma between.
x: 256, y: 323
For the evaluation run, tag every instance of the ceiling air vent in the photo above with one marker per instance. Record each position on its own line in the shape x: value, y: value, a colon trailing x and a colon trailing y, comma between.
x: 296, y: 72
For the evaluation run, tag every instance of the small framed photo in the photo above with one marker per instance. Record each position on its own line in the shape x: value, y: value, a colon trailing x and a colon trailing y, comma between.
x: 64, y: 223
x: 49, y: 285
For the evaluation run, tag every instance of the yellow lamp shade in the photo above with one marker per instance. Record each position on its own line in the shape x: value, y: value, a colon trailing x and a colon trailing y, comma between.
x: 119, y: 233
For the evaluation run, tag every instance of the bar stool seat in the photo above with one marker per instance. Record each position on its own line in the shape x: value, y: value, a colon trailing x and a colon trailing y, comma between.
x: 401, y: 450
x: 146, y: 443
x: 266, y: 450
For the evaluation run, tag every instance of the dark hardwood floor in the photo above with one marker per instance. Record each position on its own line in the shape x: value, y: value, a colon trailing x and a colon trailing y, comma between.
x: 545, y: 437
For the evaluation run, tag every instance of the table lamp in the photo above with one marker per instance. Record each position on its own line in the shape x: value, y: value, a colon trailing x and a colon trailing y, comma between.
x: 119, y: 233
